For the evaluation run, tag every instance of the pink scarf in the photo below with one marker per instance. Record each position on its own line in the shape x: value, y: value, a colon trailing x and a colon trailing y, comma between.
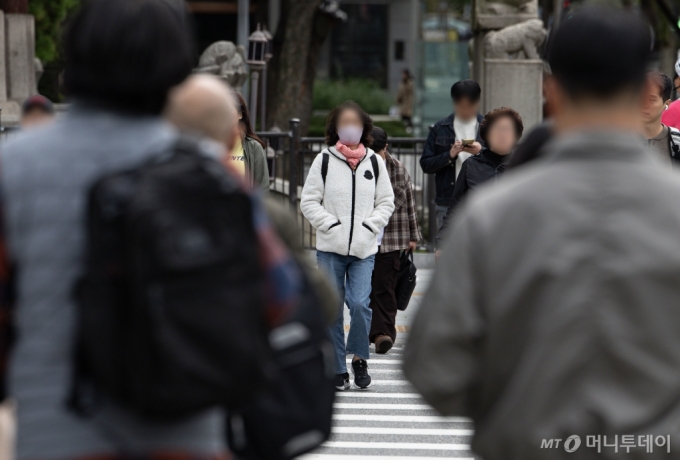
x: 353, y: 156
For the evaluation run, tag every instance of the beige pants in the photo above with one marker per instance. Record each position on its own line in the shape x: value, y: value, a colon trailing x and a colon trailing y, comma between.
x: 7, y: 430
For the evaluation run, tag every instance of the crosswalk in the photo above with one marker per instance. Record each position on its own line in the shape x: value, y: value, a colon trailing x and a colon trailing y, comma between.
x: 389, y: 420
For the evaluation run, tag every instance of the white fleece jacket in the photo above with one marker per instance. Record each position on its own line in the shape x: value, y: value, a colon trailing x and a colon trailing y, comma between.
x: 349, y: 212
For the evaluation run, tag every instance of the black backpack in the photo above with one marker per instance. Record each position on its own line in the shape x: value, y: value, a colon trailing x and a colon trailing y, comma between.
x: 294, y: 415
x: 171, y: 314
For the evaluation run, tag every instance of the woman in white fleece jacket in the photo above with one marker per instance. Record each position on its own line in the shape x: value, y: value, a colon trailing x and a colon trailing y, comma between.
x: 349, y: 208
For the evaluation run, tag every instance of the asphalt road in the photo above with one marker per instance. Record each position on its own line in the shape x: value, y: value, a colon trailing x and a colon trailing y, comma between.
x: 389, y: 420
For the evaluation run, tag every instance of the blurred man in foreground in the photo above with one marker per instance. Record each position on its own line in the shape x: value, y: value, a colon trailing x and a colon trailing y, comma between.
x: 122, y: 58
x: 558, y: 314
x: 36, y: 111
x: 205, y: 106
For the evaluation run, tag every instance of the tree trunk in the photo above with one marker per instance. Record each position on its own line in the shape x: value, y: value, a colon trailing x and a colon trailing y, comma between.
x: 299, y: 39
x: 14, y: 6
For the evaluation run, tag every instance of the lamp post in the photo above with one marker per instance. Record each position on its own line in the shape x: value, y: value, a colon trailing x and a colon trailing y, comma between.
x: 269, y: 53
x: 257, y: 49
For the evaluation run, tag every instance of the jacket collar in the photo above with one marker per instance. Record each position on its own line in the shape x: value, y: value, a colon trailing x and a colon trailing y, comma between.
x: 608, y: 145
x: 448, y: 121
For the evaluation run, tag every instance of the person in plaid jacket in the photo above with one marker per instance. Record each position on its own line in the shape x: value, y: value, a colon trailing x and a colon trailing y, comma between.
x: 401, y: 234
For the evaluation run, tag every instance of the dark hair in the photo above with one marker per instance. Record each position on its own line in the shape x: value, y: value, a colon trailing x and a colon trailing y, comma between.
x: 245, y: 119
x: 466, y: 89
x: 600, y: 52
x: 663, y: 82
x: 379, y: 139
x: 496, y: 114
x: 126, y: 54
x: 332, y: 123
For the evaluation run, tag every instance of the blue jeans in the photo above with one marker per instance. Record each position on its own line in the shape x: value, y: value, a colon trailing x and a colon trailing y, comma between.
x: 352, y: 278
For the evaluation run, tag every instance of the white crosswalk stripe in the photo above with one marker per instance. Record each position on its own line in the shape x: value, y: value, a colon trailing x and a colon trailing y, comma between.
x: 389, y: 420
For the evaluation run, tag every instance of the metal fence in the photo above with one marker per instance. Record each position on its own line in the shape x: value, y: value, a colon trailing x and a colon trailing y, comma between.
x: 6, y: 132
x: 290, y: 157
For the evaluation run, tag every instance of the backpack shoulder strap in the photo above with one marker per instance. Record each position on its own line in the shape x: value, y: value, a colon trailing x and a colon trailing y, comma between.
x: 376, y: 168
x: 675, y: 143
x: 324, y: 167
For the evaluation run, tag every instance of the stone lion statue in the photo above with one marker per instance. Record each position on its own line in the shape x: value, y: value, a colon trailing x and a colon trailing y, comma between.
x: 519, y: 41
x: 225, y: 60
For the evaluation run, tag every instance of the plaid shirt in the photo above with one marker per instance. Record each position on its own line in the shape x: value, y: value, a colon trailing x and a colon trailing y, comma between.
x: 403, y: 225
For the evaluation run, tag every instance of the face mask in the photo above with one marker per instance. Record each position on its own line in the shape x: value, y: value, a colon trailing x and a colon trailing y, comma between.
x: 350, y: 135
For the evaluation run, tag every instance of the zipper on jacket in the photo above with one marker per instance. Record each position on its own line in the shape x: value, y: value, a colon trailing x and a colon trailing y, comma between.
x: 354, y: 190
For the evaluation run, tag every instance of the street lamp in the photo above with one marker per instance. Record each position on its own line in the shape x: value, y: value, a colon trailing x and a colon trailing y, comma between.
x: 269, y: 53
x: 257, y: 49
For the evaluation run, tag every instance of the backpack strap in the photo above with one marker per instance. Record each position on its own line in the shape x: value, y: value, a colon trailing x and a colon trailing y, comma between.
x: 675, y: 143
x: 324, y: 167
x: 376, y: 168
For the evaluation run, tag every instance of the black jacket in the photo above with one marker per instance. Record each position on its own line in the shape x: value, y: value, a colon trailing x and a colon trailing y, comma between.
x: 437, y: 160
x: 476, y: 170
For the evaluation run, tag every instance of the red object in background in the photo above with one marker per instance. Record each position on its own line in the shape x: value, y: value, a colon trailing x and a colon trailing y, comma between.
x: 14, y: 6
x: 671, y: 117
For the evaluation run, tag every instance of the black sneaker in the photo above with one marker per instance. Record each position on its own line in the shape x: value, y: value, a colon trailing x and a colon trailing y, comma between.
x: 360, y: 370
x: 342, y: 382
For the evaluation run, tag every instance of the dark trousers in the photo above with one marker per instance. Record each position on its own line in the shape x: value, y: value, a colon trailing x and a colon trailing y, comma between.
x: 383, y: 297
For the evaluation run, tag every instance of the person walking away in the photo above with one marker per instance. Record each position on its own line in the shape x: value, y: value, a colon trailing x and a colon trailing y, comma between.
x: 36, y: 111
x: 556, y: 317
x: 249, y: 157
x: 205, y: 105
x: 661, y: 140
x: 500, y: 131
x: 348, y: 199
x: 401, y: 234
x: 671, y: 117
x: 121, y: 59
x: 445, y: 151
x: 406, y: 98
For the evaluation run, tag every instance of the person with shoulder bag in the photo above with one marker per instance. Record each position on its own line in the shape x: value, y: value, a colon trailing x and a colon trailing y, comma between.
x: 348, y: 199
x: 399, y: 238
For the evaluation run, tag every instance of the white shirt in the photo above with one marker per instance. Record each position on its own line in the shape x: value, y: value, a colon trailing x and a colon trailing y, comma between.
x: 464, y: 130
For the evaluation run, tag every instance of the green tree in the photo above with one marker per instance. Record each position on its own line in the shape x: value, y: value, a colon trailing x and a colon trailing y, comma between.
x: 49, y: 19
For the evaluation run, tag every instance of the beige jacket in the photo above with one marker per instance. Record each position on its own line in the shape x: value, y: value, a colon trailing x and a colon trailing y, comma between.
x: 406, y: 98
x: 556, y: 310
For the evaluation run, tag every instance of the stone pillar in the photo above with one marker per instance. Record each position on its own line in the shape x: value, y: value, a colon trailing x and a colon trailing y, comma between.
x: 17, y: 64
x: 20, y: 52
x: 516, y: 83
x: 3, y: 62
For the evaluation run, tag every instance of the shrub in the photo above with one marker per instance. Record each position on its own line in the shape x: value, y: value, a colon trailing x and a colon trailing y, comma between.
x: 367, y: 93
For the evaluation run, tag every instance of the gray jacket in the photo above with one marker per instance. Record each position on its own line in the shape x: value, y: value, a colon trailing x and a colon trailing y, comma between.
x: 46, y: 175
x: 256, y: 163
x: 556, y: 309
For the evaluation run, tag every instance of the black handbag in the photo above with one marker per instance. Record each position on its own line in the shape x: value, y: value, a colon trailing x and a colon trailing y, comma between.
x: 406, y: 280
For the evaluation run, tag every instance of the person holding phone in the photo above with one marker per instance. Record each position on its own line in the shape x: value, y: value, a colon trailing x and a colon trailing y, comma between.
x: 452, y: 141
x: 500, y: 130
